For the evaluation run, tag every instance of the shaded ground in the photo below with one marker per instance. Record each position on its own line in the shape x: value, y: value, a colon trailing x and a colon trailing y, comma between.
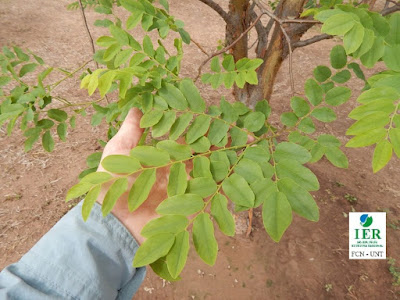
x: 311, y: 261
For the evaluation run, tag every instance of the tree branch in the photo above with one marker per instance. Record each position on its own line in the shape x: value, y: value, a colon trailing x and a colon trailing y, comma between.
x: 229, y: 46
x: 224, y: 15
x: 312, y: 40
x: 87, y: 29
x: 390, y: 10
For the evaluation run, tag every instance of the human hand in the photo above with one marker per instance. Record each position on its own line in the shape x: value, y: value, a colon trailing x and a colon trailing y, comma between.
x: 127, y: 138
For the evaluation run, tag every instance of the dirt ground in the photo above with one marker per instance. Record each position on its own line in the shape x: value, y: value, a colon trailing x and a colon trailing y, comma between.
x: 310, y: 262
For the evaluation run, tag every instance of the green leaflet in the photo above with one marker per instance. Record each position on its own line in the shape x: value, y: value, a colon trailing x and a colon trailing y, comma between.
x: 97, y: 177
x: 277, y: 215
x: 218, y: 130
x: 303, y: 176
x: 198, y: 128
x: 288, y: 150
x: 161, y: 269
x: 338, y: 24
x: 115, y: 191
x: 263, y: 107
x: 324, y: 114
x: 219, y: 165
x: 150, y: 156
x: 394, y: 134
x: 141, y: 189
x: 192, y: 95
x: 48, y: 141
x: 338, y: 95
x: 328, y: 140
x: 367, y: 43
x: 151, y: 118
x: 369, y: 122
x: 229, y: 114
x: 382, y: 155
x: 239, y: 137
x: 177, y: 182
x: 165, y: 224
x: 120, y: 164
x: 393, y: 36
x: 201, y: 145
x: 337, y: 157
x: 338, y: 57
x: 370, y: 58
x: 201, y: 167
x: 313, y: 92
x: 254, y: 121
x: 221, y: 214
x: 203, y: 238
x: 342, y: 76
x: 237, y: 189
x: 261, y: 156
x: 299, y: 106
x: 391, y: 57
x: 249, y: 170
x: 289, y: 119
x: 27, y: 69
x: 378, y: 93
x: 175, y: 150
x: 322, y: 73
x: 164, y: 125
x: 317, y: 152
x: 173, y: 96
x: 353, y: 38
x: 300, y: 200
x: 202, y: 186
x: 58, y: 115
x: 177, y: 256
x: 367, y: 138
x: 180, y: 125
x: 78, y: 190
x: 122, y: 57
x: 359, y: 112
x: 153, y: 248
x: 89, y: 201
x: 261, y: 189
x: 62, y: 131
x: 184, y: 205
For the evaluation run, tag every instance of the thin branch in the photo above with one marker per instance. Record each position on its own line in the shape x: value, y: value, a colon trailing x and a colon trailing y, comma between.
x: 300, y: 21
x: 218, y: 9
x: 199, y: 46
x: 87, y: 29
x: 390, y: 10
x: 312, y: 40
x: 229, y: 46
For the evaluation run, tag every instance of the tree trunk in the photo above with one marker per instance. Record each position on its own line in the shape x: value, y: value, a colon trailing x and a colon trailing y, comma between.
x: 239, y: 20
x: 276, y: 50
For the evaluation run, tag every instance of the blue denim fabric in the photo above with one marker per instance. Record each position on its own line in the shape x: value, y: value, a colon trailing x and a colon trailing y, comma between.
x: 77, y: 260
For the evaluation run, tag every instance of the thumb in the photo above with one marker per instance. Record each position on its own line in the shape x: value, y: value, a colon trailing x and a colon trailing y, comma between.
x: 130, y: 131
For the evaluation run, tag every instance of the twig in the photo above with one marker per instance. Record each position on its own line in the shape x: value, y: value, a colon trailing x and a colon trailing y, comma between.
x: 87, y: 30
x: 54, y: 85
x: 312, y: 40
x: 390, y: 10
x: 218, y: 9
x: 229, y: 46
x: 249, y: 227
x: 199, y: 46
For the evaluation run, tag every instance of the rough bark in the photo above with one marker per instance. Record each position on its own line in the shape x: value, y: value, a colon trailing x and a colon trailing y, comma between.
x: 239, y: 17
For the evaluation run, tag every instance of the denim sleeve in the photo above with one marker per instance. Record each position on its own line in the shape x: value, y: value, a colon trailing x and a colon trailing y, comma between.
x: 77, y: 260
